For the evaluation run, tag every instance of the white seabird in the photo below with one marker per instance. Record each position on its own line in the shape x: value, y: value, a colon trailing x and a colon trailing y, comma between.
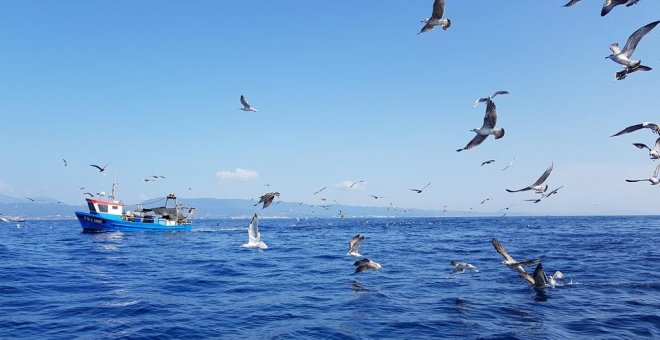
x: 485, y: 99
x: 623, y: 56
x: 436, y: 18
x: 354, y: 245
x: 509, y: 261
x: 538, y: 186
x: 246, y: 105
x: 488, y: 128
x: 610, y: 4
x: 654, y: 179
x: 653, y: 153
x: 461, y: 267
x: 366, y: 264
x: 254, y: 236
x: 655, y: 128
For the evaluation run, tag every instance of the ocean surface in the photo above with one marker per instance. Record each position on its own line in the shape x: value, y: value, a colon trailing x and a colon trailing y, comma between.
x: 59, y: 283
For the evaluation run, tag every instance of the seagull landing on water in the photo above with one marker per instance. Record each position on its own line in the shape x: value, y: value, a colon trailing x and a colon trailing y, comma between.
x: 654, y: 179
x: 610, y: 4
x: 436, y: 18
x: 488, y: 128
x: 509, y: 261
x: 538, y: 186
x: 254, y: 236
x: 267, y: 199
x: 246, y: 105
x: 461, y: 267
x: 655, y: 128
x: 623, y: 56
x: 485, y: 99
x: 366, y: 264
x: 354, y: 245
x: 653, y: 153
x: 419, y: 191
x: 539, y: 279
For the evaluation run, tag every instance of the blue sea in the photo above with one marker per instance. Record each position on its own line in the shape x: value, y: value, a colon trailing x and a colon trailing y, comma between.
x: 59, y: 283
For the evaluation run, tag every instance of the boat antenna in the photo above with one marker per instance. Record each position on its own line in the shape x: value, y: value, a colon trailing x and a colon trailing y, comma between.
x: 115, y: 186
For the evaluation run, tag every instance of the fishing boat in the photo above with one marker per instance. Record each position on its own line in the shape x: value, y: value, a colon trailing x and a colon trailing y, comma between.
x: 109, y: 215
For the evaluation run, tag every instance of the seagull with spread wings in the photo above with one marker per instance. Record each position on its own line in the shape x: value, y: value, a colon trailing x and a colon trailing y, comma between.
x: 419, y: 191
x: 538, y: 186
x: 608, y: 5
x: 436, y: 18
x: 653, y: 153
x: 488, y: 128
x: 101, y: 169
x: 267, y: 199
x: 653, y: 180
x: 354, y: 245
x: 246, y: 105
x: 509, y: 261
x: 623, y: 56
x: 254, y: 236
x: 655, y: 128
x: 485, y: 99
x: 366, y: 264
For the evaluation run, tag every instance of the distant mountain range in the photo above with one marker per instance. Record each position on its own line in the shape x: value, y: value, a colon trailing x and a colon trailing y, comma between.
x: 212, y: 208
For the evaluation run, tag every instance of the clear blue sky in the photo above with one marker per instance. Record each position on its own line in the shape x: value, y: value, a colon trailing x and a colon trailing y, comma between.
x: 346, y: 90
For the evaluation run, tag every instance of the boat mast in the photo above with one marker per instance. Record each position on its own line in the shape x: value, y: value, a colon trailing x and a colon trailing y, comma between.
x: 115, y: 186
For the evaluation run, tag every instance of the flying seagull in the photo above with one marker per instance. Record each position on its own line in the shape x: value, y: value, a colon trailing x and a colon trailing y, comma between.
x: 553, y: 192
x: 571, y: 3
x: 354, y: 184
x: 419, y: 191
x: 267, y: 199
x: 30, y: 198
x: 610, y: 4
x: 460, y: 267
x: 246, y: 105
x: 510, y: 164
x: 101, y: 169
x: 88, y: 193
x: 354, y: 245
x: 485, y: 200
x: 653, y: 153
x: 319, y: 190
x: 623, y: 56
x: 654, y: 180
x: 655, y: 128
x: 254, y: 236
x: 485, y: 99
x: 538, y: 186
x: 488, y: 128
x: 509, y: 261
x: 377, y: 197
x: 366, y: 264
x: 534, y: 200
x: 436, y: 17
x: 65, y: 162
x: 487, y: 162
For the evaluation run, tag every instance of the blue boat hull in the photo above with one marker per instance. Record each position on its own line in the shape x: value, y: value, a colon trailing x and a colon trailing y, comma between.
x: 96, y: 223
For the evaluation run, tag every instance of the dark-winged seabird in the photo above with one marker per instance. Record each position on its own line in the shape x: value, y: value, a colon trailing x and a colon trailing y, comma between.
x: 487, y: 162
x: 488, y: 128
x: 538, y: 186
x: 436, y: 18
x: 610, y: 4
x: 539, y: 279
x: 267, y: 199
x: 65, y: 162
x: 553, y: 192
x: 655, y: 128
x: 254, y: 236
x: 366, y: 264
x: 509, y: 261
x: 485, y: 99
x: 654, y: 179
x: 355, y: 183
x: 315, y: 193
x: 354, y: 245
x: 623, y: 56
x: 246, y: 105
x: 653, y: 153
x: 461, y: 267
x: 101, y: 169
x: 419, y: 191
x: 377, y: 197
x: 571, y: 3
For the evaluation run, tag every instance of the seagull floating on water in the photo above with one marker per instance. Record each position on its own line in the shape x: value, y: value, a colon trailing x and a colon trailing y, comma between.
x: 254, y: 236
x: 653, y: 180
x: 354, y: 245
x: 366, y: 264
x: 419, y: 191
x: 246, y: 105
x: 487, y: 162
x: 485, y: 99
x: 653, y: 153
x: 267, y: 199
x: 655, y: 128
x: 623, y: 56
x: 436, y: 18
x: 488, y: 128
x: 538, y: 186
x: 461, y: 267
x: 509, y: 261
x: 610, y: 4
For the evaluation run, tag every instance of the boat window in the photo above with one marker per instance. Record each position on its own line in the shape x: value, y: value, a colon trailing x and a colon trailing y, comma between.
x: 91, y: 206
x: 114, y: 207
x: 103, y: 208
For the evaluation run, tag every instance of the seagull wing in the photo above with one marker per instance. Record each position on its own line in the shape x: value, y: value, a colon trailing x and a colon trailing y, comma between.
x: 636, y: 180
x: 96, y: 166
x: 642, y: 146
x: 354, y: 243
x: 438, y: 9
x: 519, y: 190
x: 490, y: 118
x: 657, y: 171
x: 609, y: 5
x: 500, y: 249
x: 526, y: 277
x: 478, y: 139
x: 634, y: 39
x: 571, y: 3
x: 499, y: 93
x: 426, y: 186
x: 544, y: 176
x: 244, y: 102
x: 657, y: 143
x: 539, y: 277
x: 629, y: 129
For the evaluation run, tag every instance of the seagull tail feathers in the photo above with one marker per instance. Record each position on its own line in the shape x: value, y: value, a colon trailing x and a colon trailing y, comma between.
x: 499, y: 133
